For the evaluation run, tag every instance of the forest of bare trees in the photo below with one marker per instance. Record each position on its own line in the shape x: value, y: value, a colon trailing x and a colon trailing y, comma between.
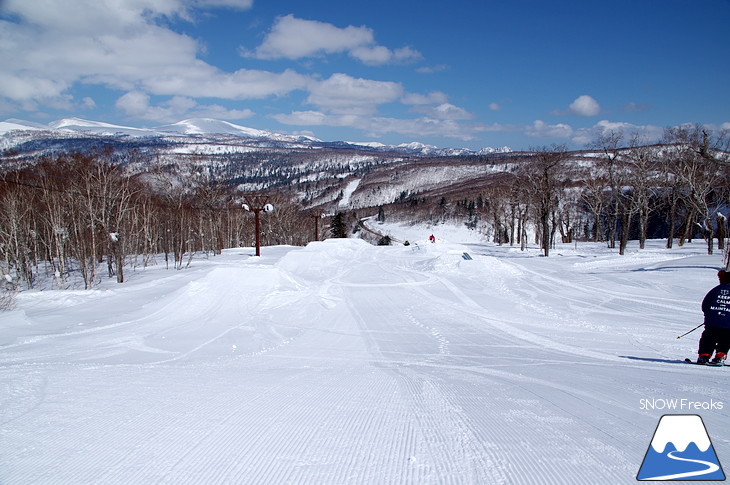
x: 619, y: 190
x: 81, y: 215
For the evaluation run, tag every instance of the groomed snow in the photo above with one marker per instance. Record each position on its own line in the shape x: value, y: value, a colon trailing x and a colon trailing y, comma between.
x: 345, y: 363
x: 347, y: 192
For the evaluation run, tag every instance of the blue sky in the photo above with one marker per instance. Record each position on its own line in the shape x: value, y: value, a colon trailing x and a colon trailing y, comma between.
x: 452, y: 74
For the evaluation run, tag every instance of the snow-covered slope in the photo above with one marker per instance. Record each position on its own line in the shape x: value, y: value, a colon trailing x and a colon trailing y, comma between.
x: 348, y: 363
x: 19, y: 125
x: 96, y: 128
x: 209, y: 126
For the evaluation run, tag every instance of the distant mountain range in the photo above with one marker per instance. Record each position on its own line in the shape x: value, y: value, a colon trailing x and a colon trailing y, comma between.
x: 11, y: 129
x: 330, y: 175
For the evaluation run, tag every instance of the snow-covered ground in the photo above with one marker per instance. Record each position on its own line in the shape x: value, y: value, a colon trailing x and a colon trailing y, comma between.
x: 345, y: 363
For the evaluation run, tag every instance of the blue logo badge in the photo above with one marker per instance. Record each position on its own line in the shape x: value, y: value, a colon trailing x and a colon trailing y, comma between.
x: 681, y: 450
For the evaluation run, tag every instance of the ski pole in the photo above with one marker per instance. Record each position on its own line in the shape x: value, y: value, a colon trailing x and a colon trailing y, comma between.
x: 698, y: 326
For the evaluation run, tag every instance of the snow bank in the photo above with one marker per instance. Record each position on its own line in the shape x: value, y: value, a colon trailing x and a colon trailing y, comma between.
x: 323, y: 259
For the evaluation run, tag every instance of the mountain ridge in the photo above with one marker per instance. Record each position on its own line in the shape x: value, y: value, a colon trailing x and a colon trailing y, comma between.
x: 212, y: 127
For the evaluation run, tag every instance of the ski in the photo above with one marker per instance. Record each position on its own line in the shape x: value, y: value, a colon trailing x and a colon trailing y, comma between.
x: 690, y: 361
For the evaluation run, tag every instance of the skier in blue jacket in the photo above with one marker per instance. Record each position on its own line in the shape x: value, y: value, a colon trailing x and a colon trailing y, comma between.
x: 716, y: 336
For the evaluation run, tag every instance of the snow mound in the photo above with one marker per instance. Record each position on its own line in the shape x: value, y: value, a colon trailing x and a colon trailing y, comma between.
x: 322, y: 259
x: 627, y: 261
x: 443, y: 260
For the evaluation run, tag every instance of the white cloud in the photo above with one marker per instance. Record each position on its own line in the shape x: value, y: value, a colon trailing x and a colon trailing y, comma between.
x: 650, y: 133
x: 220, y: 112
x: 318, y: 118
x: 435, y: 105
x: 494, y: 106
x: 111, y: 16
x: 585, y: 106
x: 540, y: 129
x: 434, y: 97
x: 202, y: 80
x: 232, y: 4
x: 432, y: 69
x: 134, y: 103
x: 93, y: 16
x: 88, y: 103
x: 31, y: 88
x: 137, y: 104
x: 121, y: 45
x: 605, y: 125
x: 373, y: 55
x: 378, y: 126
x: 294, y: 38
x: 343, y: 94
x: 445, y: 111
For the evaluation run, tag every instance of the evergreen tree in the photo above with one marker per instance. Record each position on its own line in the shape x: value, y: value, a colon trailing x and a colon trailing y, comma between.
x: 337, y: 228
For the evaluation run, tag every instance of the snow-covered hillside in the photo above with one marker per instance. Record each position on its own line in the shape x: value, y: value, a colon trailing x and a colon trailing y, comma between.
x: 252, y: 159
x: 14, y: 130
x: 344, y: 363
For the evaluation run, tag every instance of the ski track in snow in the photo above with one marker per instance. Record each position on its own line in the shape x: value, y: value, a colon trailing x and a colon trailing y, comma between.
x: 344, y: 363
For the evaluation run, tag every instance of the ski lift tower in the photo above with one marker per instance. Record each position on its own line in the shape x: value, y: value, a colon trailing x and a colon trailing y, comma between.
x: 316, y: 217
x: 257, y: 204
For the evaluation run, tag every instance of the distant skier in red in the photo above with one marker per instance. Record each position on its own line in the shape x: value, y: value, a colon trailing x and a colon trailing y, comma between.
x: 432, y: 238
x: 716, y: 336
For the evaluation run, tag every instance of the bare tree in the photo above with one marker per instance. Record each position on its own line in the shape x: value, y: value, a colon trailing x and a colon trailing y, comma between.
x: 700, y: 173
x: 642, y: 177
x: 287, y: 224
x: 496, y: 204
x: 15, y: 231
x: 593, y: 198
x: 569, y: 216
x: 543, y: 174
x: 611, y: 173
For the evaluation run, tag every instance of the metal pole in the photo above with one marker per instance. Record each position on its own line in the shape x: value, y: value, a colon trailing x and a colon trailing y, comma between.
x: 256, y: 205
x: 698, y: 326
x: 258, y: 231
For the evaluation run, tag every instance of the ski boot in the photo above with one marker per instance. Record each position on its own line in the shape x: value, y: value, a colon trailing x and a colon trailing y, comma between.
x: 703, y: 359
x: 719, y: 359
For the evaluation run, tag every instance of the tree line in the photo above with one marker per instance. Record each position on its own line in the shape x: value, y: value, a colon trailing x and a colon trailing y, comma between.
x: 82, y: 216
x: 622, y: 190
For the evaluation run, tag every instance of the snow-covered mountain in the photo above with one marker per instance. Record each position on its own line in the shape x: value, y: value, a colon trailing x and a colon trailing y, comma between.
x: 430, y: 150
x: 213, y: 127
x: 96, y: 128
x: 316, y: 171
x: 19, y: 125
x: 209, y: 126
